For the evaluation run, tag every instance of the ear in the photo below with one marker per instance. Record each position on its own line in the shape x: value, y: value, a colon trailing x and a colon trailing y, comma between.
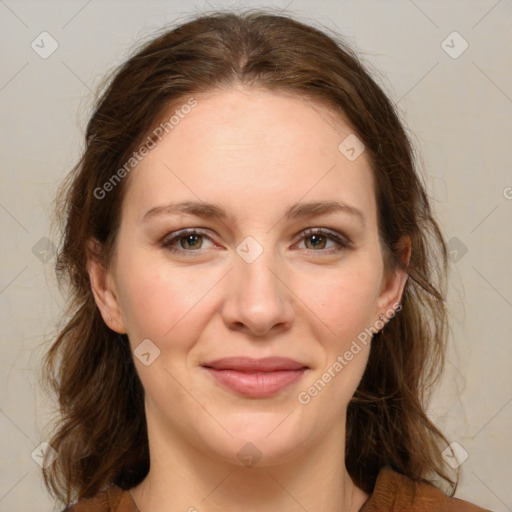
x: 393, y: 283
x: 103, y: 288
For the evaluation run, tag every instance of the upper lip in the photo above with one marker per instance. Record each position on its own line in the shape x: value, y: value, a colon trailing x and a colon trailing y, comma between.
x: 247, y: 364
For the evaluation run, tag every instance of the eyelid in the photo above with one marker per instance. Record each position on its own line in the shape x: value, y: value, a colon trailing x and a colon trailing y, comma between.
x: 170, y: 238
x: 339, y: 238
x: 342, y: 240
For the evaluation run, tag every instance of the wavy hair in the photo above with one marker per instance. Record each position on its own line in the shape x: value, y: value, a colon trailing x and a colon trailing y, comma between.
x: 101, y: 433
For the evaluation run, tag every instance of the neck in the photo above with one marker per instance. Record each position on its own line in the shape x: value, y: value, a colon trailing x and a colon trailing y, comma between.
x: 183, y: 478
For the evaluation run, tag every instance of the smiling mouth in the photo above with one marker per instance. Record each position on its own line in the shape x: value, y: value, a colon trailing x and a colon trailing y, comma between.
x: 255, y: 378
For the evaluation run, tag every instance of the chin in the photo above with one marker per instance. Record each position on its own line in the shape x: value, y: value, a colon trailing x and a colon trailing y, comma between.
x: 259, y: 439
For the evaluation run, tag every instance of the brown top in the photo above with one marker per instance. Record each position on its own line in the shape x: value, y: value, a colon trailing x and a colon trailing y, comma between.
x: 393, y: 492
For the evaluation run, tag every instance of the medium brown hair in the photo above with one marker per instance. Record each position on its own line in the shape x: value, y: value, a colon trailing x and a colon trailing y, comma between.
x: 101, y: 434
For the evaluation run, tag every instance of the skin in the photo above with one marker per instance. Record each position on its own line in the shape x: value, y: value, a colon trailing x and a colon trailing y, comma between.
x: 255, y: 153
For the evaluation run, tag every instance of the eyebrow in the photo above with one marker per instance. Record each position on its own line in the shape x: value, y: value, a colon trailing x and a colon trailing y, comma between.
x: 296, y: 211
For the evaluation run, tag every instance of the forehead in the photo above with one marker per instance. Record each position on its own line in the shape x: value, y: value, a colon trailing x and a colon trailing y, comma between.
x: 251, y: 148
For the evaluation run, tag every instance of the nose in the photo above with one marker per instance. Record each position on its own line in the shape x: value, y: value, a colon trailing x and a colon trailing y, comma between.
x: 259, y: 300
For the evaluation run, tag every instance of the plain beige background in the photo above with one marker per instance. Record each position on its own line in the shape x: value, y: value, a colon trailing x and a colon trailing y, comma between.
x: 457, y: 102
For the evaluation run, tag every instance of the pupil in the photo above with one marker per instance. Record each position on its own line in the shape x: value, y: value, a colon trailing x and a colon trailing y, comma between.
x: 190, y: 239
x: 317, y: 238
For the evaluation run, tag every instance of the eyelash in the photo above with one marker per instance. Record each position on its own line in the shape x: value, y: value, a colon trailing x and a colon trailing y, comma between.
x: 169, y: 240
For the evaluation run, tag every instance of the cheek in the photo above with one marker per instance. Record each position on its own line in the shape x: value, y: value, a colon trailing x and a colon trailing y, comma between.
x: 159, y: 302
x: 343, y: 302
x: 344, y: 305
x: 147, y: 299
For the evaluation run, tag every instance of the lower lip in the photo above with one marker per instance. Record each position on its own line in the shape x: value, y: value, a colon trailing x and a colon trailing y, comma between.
x: 256, y: 384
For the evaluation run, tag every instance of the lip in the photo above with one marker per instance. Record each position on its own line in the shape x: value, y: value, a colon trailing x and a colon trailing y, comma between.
x: 255, y: 378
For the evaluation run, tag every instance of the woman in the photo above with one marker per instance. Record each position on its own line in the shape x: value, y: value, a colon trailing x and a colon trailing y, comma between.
x: 258, y: 286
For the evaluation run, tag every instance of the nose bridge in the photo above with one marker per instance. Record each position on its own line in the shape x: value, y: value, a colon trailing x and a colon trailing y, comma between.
x: 259, y: 274
x: 260, y: 299
x: 256, y: 266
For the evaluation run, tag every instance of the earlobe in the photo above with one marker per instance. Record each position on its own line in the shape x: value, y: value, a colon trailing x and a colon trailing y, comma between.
x: 103, y: 288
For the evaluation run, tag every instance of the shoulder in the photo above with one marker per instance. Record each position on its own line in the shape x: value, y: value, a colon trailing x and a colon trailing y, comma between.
x: 395, y: 492
x: 113, y: 499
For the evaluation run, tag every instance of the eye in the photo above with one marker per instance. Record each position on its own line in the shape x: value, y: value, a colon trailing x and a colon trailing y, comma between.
x: 319, y: 238
x: 190, y: 240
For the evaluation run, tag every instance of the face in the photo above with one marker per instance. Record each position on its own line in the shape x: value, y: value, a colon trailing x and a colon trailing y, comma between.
x: 255, y: 317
